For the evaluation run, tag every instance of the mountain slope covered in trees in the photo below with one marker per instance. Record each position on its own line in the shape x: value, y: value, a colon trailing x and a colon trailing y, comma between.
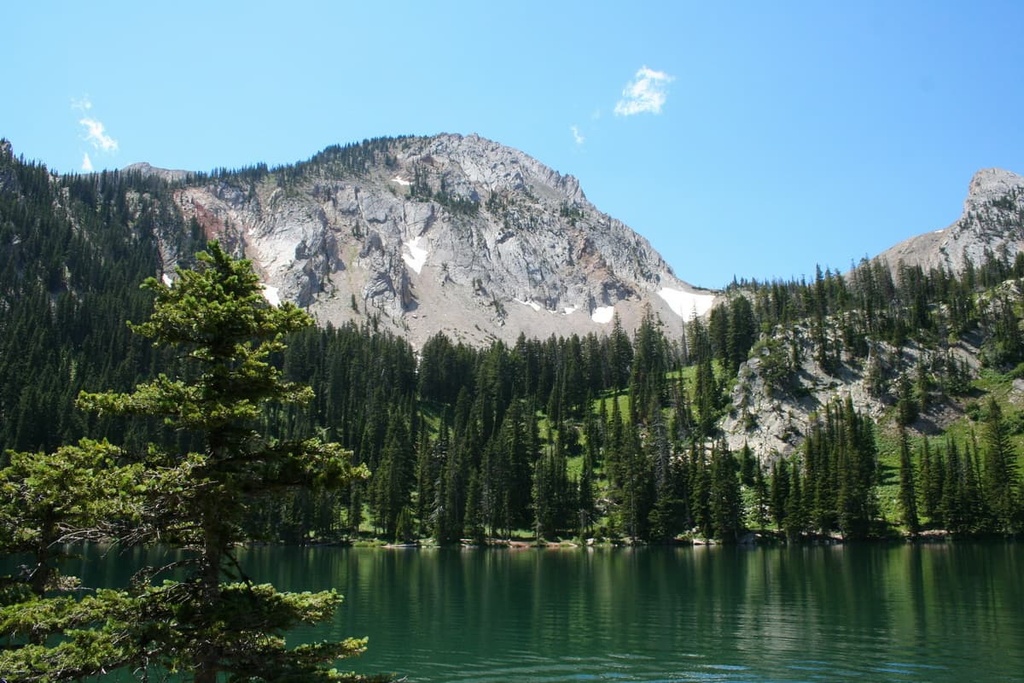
x: 883, y: 399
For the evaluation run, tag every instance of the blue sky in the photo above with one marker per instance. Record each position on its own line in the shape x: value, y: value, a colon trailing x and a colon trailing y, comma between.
x: 754, y: 139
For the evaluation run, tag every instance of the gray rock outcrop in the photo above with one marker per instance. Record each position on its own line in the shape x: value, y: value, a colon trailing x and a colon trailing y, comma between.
x: 447, y: 233
x: 992, y: 223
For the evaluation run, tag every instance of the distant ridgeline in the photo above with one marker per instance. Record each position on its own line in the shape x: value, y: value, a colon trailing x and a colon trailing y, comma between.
x: 899, y: 386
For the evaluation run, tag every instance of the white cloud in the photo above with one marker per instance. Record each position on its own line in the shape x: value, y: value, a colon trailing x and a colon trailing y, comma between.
x: 577, y: 135
x: 95, y: 132
x: 644, y: 94
x: 86, y: 163
x: 96, y: 135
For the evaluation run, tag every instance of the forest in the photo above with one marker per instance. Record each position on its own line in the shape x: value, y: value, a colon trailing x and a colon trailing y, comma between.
x: 193, y: 414
x: 612, y: 437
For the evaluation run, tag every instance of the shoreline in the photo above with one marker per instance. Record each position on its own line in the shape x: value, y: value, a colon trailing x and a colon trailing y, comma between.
x: 748, y: 540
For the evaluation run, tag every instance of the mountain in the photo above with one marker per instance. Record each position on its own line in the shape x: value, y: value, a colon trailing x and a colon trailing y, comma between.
x: 450, y: 233
x: 407, y: 237
x: 923, y: 316
x: 461, y: 235
x: 992, y: 223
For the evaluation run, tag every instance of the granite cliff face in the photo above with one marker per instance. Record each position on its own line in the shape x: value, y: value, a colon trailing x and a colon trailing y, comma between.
x: 992, y: 223
x: 446, y: 233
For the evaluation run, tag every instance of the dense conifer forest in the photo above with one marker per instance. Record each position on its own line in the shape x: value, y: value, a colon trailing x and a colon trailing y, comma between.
x: 615, y: 436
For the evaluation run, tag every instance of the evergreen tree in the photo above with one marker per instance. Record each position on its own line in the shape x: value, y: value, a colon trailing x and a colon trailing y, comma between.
x: 796, y: 510
x: 449, y: 497
x: 908, y: 493
x: 820, y: 494
x: 586, y: 507
x: 426, y: 476
x: 707, y: 395
x: 682, y: 421
x: 906, y: 404
x: 742, y: 333
x: 635, y: 484
x: 668, y: 515
x: 615, y: 443
x: 47, y: 501
x: 473, y: 520
x: 650, y: 364
x: 933, y: 472
x: 393, y: 477
x: 620, y: 355
x: 761, y: 498
x: 700, y: 485
x: 962, y: 509
x: 216, y: 622
x: 748, y: 466
x: 1000, y: 481
x: 552, y: 493
x: 779, y: 492
x: 725, y: 503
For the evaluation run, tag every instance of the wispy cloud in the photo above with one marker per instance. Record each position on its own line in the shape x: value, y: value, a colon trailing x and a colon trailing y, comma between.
x: 86, y: 163
x: 96, y: 135
x: 645, y: 93
x: 577, y: 135
x: 95, y: 132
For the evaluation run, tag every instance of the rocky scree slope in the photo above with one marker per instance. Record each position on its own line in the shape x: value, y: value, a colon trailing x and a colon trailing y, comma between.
x: 449, y: 234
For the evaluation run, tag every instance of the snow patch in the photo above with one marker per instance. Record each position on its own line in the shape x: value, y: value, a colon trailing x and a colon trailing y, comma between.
x: 532, y: 304
x: 569, y: 310
x: 603, y: 314
x: 417, y: 255
x: 271, y: 295
x: 401, y: 181
x: 684, y: 304
x: 167, y: 279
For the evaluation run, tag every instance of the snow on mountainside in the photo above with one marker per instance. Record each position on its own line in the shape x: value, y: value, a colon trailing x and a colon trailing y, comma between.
x: 450, y: 233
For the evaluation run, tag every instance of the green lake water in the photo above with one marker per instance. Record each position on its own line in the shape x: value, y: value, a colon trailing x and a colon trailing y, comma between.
x: 935, y: 613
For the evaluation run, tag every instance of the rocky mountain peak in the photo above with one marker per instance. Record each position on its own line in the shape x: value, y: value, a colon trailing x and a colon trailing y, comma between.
x: 148, y: 170
x: 991, y: 184
x: 497, y: 168
x: 449, y: 233
x: 992, y: 223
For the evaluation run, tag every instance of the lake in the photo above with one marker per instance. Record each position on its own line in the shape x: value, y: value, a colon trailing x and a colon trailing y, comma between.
x: 935, y: 613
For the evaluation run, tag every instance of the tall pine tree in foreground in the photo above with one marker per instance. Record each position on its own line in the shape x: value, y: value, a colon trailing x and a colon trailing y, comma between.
x: 214, y: 624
